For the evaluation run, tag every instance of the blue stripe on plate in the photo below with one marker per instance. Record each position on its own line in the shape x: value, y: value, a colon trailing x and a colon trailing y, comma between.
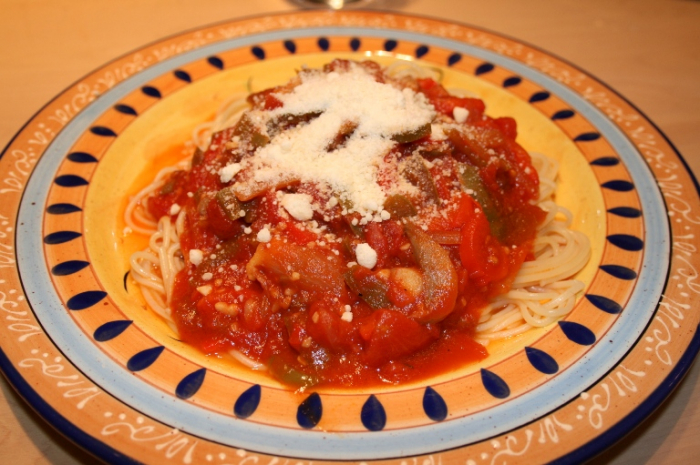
x: 494, y: 384
x: 70, y: 180
x: 577, y: 333
x: 85, y: 300
x: 190, y: 384
x: 434, y: 405
x: 69, y: 267
x: 604, y: 304
x: 626, y: 212
x: 247, y: 403
x: 62, y: 209
x: 110, y: 330
x: 290, y: 46
x: 151, y: 91
x: 606, y: 161
x: 60, y: 237
x: 144, y: 359
x: 310, y: 411
x: 216, y: 62
x: 373, y: 415
x: 539, y: 97
x: 81, y: 157
x: 125, y: 109
x: 542, y: 361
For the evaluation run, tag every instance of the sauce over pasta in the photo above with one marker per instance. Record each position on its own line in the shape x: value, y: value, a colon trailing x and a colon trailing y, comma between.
x: 349, y: 228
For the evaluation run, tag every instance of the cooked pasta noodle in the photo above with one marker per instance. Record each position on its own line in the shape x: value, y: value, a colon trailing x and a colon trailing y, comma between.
x: 136, y: 217
x: 541, y: 292
x: 227, y: 115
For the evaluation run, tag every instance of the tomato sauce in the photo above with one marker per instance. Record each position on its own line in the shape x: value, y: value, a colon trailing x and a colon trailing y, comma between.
x: 440, y: 257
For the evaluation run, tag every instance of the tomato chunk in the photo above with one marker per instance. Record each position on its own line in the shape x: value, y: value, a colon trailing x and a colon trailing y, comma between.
x: 389, y: 334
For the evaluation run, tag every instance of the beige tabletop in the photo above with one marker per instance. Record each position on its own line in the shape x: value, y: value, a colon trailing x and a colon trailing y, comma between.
x: 647, y: 50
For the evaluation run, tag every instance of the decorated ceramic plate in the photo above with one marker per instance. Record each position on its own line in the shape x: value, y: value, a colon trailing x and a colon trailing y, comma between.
x: 80, y: 344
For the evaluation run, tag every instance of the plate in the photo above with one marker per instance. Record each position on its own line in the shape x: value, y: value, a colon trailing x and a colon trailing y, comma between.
x: 80, y: 346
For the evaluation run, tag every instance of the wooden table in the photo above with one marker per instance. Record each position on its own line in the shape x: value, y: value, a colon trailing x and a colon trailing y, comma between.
x: 648, y: 50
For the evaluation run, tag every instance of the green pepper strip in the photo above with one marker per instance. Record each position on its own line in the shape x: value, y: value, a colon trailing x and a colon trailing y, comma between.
x: 472, y: 181
x: 229, y: 203
x: 247, y: 129
x: 413, y: 135
x: 289, y: 375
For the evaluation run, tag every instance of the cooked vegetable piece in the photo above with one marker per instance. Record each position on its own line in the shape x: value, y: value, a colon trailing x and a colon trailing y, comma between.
x: 247, y: 129
x: 399, y: 206
x: 302, y: 268
x: 348, y: 218
x: 369, y: 287
x: 414, y: 135
x: 198, y: 157
x: 418, y: 174
x: 471, y: 180
x: 229, y: 203
x: 286, y: 373
x: 440, y: 281
x: 328, y: 330
x: 259, y: 140
x: 405, y: 286
x: 445, y: 103
x: 287, y: 121
x: 249, y: 191
x: 482, y: 254
x: 173, y: 180
x: 472, y: 147
x: 446, y: 237
x: 346, y: 130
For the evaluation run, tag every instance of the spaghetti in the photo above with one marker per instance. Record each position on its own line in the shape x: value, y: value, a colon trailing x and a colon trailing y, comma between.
x: 302, y: 266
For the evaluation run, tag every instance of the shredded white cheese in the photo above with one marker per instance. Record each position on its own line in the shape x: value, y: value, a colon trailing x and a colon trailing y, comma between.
x: 366, y: 255
x: 204, y: 290
x: 264, y: 235
x: 460, y: 114
x: 196, y: 256
x: 227, y: 173
x: 298, y: 205
x: 377, y: 111
x: 437, y: 132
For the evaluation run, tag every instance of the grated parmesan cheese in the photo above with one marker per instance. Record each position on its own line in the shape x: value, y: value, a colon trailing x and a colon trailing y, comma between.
x: 227, y: 173
x: 264, y: 235
x: 204, y: 290
x: 460, y: 114
x: 196, y: 256
x: 298, y: 205
x: 377, y: 110
x: 366, y: 255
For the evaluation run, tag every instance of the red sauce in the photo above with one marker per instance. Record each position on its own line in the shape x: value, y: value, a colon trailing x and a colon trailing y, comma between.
x: 286, y: 310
